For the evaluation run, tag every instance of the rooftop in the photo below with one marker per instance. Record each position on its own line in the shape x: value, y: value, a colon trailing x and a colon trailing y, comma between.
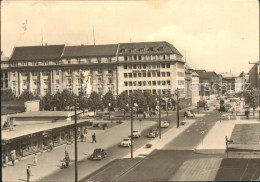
x: 23, y: 130
x: 48, y: 52
x: 90, y: 50
x: 39, y: 114
x: 151, y: 47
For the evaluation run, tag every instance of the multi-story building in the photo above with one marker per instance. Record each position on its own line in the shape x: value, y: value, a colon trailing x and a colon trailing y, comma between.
x: 4, y: 72
x: 241, y: 82
x: 254, y: 75
x: 144, y: 66
x: 228, y: 82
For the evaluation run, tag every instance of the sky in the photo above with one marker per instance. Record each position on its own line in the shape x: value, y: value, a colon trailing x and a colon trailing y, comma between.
x: 216, y: 35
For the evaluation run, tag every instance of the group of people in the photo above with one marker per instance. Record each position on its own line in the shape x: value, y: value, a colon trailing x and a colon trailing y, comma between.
x: 7, y: 159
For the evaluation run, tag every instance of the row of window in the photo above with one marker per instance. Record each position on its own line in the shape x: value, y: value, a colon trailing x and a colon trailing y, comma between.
x: 146, y: 57
x: 153, y: 91
x: 147, y: 83
x: 150, y: 49
x: 144, y: 66
x: 149, y: 74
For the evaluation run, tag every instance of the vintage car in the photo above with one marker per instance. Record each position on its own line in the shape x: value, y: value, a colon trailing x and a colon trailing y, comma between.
x: 164, y: 124
x: 136, y: 134
x: 152, y: 133
x: 98, y: 154
x: 126, y: 142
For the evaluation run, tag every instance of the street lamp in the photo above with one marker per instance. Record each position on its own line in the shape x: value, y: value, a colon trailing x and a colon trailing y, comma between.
x: 202, y: 133
x: 140, y: 125
x: 178, y: 117
x: 76, y: 144
x: 159, y: 109
x: 109, y: 104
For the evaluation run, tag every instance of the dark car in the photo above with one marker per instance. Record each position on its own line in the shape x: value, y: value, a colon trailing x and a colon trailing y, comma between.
x: 98, y: 154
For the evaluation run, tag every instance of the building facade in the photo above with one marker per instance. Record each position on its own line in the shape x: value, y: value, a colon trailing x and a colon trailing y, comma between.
x: 144, y: 66
x: 253, y: 76
x: 4, y: 72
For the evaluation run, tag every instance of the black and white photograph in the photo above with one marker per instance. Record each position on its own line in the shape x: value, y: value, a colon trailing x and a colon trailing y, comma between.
x: 130, y: 90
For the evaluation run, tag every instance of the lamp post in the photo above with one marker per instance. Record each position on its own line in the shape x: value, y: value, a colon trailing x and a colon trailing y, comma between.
x: 109, y: 104
x: 202, y: 133
x: 131, y: 105
x: 140, y: 121
x: 178, y: 118
x: 76, y: 144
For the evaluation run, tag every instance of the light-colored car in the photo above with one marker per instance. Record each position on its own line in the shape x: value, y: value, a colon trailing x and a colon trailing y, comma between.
x: 152, y: 133
x: 164, y: 124
x: 136, y: 134
x: 126, y: 142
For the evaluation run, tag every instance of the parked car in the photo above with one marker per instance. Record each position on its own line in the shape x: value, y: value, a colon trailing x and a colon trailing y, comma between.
x: 164, y: 124
x: 126, y: 142
x: 136, y: 134
x: 98, y: 154
x: 152, y: 133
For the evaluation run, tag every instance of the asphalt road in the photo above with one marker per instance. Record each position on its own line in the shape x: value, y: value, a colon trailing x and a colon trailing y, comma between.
x: 87, y: 167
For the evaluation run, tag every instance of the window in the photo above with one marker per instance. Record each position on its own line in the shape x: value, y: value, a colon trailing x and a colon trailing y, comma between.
x: 99, y: 72
x: 168, y: 74
x: 34, y: 73
x: 153, y: 57
x: 168, y: 82
x: 99, y: 80
x: 129, y: 66
x: 149, y: 83
x: 139, y: 83
x: 69, y: 72
x: 180, y: 82
x: 135, y: 58
x: 24, y: 82
x: 122, y: 50
x: 46, y: 81
x: 163, y: 74
x: 69, y: 81
x: 158, y: 82
x: 163, y: 65
x: 163, y: 83
x: 144, y: 83
x: 158, y: 66
x: 138, y: 66
x: 144, y: 66
x: 180, y: 74
x: 125, y: 58
x: 125, y: 75
x: 139, y: 57
x: 69, y: 61
x: 130, y: 91
x: 130, y: 75
x: 125, y: 67
x: 179, y: 65
x: 130, y: 83
x: 14, y: 83
x: 57, y: 82
x: 110, y: 80
x: 160, y: 49
x: 79, y: 81
x: 109, y: 71
x: 158, y: 74
x: 109, y: 60
x: 126, y: 84
x: 149, y: 74
x: 134, y: 66
x: 139, y: 74
x: 154, y: 82
x: 154, y: 91
x: 13, y: 73
x: 163, y: 56
x: 168, y: 65
x: 141, y: 49
x: 154, y: 74
x: 34, y: 82
x: 154, y: 66
x: 135, y: 75
x: 24, y: 73
x: 134, y: 83
x: 99, y: 60
x: 144, y: 74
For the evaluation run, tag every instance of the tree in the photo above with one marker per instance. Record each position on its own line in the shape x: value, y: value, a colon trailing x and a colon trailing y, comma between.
x: 139, y: 99
x: 46, y: 102
x: 109, y: 98
x: 150, y: 99
x: 7, y: 95
x: 57, y: 102
x: 251, y: 98
x: 67, y: 98
x: 95, y: 102
x: 26, y: 96
x: 82, y: 102
x: 123, y: 101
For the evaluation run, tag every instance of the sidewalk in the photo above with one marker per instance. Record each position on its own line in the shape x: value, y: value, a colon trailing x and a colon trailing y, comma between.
x: 215, y: 140
x: 49, y: 162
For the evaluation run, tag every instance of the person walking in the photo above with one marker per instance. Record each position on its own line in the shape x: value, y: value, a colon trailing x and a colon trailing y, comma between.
x: 12, y: 158
x: 28, y: 172
x: 94, y: 138
x: 35, y: 159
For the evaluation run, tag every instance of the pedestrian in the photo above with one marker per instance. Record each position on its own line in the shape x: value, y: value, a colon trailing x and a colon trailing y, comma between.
x: 66, y: 152
x: 51, y: 146
x: 6, y: 160
x: 28, y: 172
x: 35, y: 160
x: 12, y: 158
x: 82, y: 137
x: 94, y: 138
x: 228, y: 116
x: 67, y: 160
x: 144, y: 115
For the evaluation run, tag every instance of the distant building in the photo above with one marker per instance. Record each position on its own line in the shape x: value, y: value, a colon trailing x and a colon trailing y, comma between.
x: 241, y: 82
x: 4, y: 71
x: 228, y: 82
x: 210, y: 83
x: 253, y: 75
